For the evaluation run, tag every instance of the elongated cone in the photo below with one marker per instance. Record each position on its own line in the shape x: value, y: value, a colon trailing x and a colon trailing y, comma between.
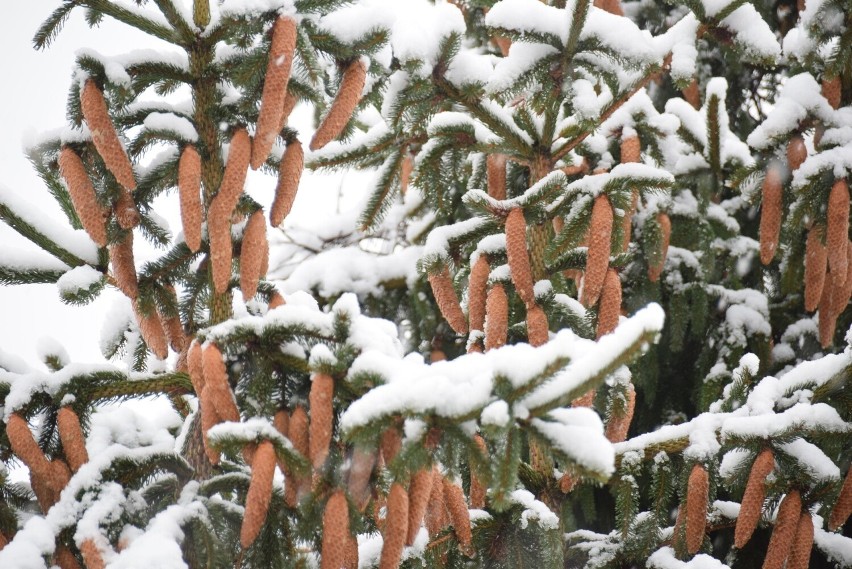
x: 351, y: 557
x: 496, y: 317
x: 124, y: 266
x: 495, y: 165
x: 842, y: 294
x: 696, y: 507
x: 64, y: 558
x: 631, y: 149
x: 290, y: 102
x: 477, y: 292
x: 537, y: 326
x: 459, y: 513
x: 25, y: 446
x: 418, y: 500
x: 289, y: 174
x: 272, y: 101
x: 519, y: 259
x: 44, y: 495
x: 322, y: 416
x: 254, y: 249
x: 335, y: 532
x: 843, y: 507
x: 837, y: 233
x: 618, y: 425
x: 209, y: 418
x: 752, y: 503
x: 597, y: 258
x: 827, y: 314
x: 610, y: 306
x: 236, y: 168
x: 299, y: 436
x: 92, y: 556
x: 152, y: 331
x: 360, y: 471
x: 396, y: 527
x: 692, y: 94
x: 772, y: 205
x: 816, y: 259
x: 678, y: 533
x: 196, y: 371
x: 448, y: 301
x: 348, y: 97
x: 189, y: 188
x: 59, y: 477
x: 611, y: 6
x: 172, y: 324
x: 216, y: 383
x: 259, y: 493
x: 83, y: 196
x: 665, y: 223
x: 72, y: 437
x: 106, y: 140
x: 784, y: 531
x: 125, y: 210
x: 276, y: 300
x: 797, y: 152
x: 832, y: 90
x: 405, y: 171
x: 390, y: 444
x: 803, y: 542
x: 477, y: 489
x: 436, y: 512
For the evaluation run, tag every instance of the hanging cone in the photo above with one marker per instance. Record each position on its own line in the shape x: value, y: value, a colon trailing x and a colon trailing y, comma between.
x: 350, y: 559
x: 436, y: 511
x: 405, y: 171
x: 125, y: 210
x: 196, y: 373
x: 832, y: 91
x: 665, y: 224
x: 272, y: 101
x: 418, y: 500
x: 189, y: 188
x: 692, y: 94
x: 209, y: 419
x: 298, y: 435
x: 784, y: 531
x: 396, y: 527
x: 236, y: 168
x: 496, y: 174
x: 567, y: 483
x: 477, y: 292
x: 843, y: 506
x: 348, y: 97
x: 459, y: 513
x: 803, y: 542
x: 611, y: 6
x: 173, y: 326
x: 360, y: 471
x: 631, y: 149
x: 221, y: 248
x: 124, y: 266
x: 537, y: 326
x: 25, y: 446
x: 276, y: 300
x: 837, y: 232
x: 816, y: 258
x: 322, y: 416
x: 797, y: 152
x: 152, y: 331
x: 827, y: 314
x: 259, y: 493
x: 290, y: 102
x: 772, y: 205
x: 59, y: 477
x: 106, y: 140
x: 335, y: 532
x: 696, y: 507
x: 477, y: 490
x: 64, y: 558
x: 496, y: 317
x: 516, y: 251
x: 752, y: 503
x: 92, y: 556
x: 72, y: 437
x: 618, y: 425
x: 390, y: 444
x: 448, y: 302
x: 254, y: 249
x: 217, y: 384
x: 83, y: 196
x: 597, y: 258
x: 609, y: 308
x: 289, y: 174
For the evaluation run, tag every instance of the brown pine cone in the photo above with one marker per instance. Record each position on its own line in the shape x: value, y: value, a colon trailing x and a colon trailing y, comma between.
x: 348, y: 97
x: 92, y: 215
x: 696, y: 507
x: 360, y: 471
x: 322, y: 416
x: 837, y: 232
x: 618, y: 425
x: 335, y: 532
x: 390, y: 444
x: 299, y: 436
x: 609, y: 309
x: 25, y: 446
x: 418, y: 500
x: 217, y: 384
x: 209, y: 419
x: 797, y: 152
x: 259, y: 493
x: 771, y: 209
x: 752, y: 502
x: 289, y: 173
x: 597, y: 258
x: 459, y: 513
x: 692, y: 94
x: 405, y: 170
x: 537, y: 326
x: 236, y: 168
x: 519, y: 259
x: 124, y: 266
x: 64, y: 558
x: 72, y: 437
x: 196, y: 372
x: 631, y: 149
x: 495, y: 165
x: 152, y: 331
x: 448, y: 302
x: 396, y: 527
x: 496, y: 317
x: 827, y: 314
x: 665, y: 223
x: 92, y: 556
x: 94, y: 108
x: 816, y: 260
x: 436, y: 511
x: 832, y: 90
x: 125, y: 210
x: 477, y: 292
x: 477, y: 490
x: 254, y: 249
x: 843, y: 506
x: 784, y: 532
x: 189, y: 188
x: 803, y: 542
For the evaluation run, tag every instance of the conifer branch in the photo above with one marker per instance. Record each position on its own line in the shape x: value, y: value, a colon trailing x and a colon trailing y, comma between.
x: 29, y: 231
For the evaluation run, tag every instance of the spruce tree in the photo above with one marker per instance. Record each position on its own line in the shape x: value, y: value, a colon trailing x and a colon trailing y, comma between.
x: 572, y: 324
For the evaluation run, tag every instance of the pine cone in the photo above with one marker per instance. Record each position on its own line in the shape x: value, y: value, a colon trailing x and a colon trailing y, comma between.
x: 772, y: 206
x: 436, y: 512
x: 92, y: 556
x: 609, y: 309
x: 816, y: 258
x: 25, y: 446
x: 209, y: 419
x: 217, y: 385
x: 843, y: 507
x: 477, y: 490
x: 196, y: 372
x: 83, y: 196
x: 335, y: 532
x: 289, y: 174
x: 665, y: 224
x: 348, y: 97
x: 298, y: 435
x: 832, y: 90
x: 797, y: 152
x: 236, y: 168
x: 418, y: 500
x: 631, y: 149
x: 448, y: 302
x: 495, y: 169
x: 259, y: 493
x: 692, y: 94
x: 272, y: 101
x: 152, y: 331
x: 537, y: 326
x: 516, y: 251
x: 698, y: 494
x: 618, y: 425
x: 600, y: 242
x: 322, y: 416
x: 124, y: 266
x: 611, y: 6
x: 803, y: 542
x: 784, y: 532
x: 837, y: 234
x: 189, y: 188
x: 173, y: 326
x: 827, y: 314
x: 72, y: 437
x: 106, y: 140
x: 496, y: 317
x: 254, y: 248
x: 276, y: 300
x: 350, y: 560
x: 290, y: 102
x: 59, y: 477
x: 752, y: 502
x: 360, y: 470
x: 125, y: 210
x: 390, y: 444
x: 459, y: 513
x: 477, y: 292
x: 64, y: 558
x: 396, y: 527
